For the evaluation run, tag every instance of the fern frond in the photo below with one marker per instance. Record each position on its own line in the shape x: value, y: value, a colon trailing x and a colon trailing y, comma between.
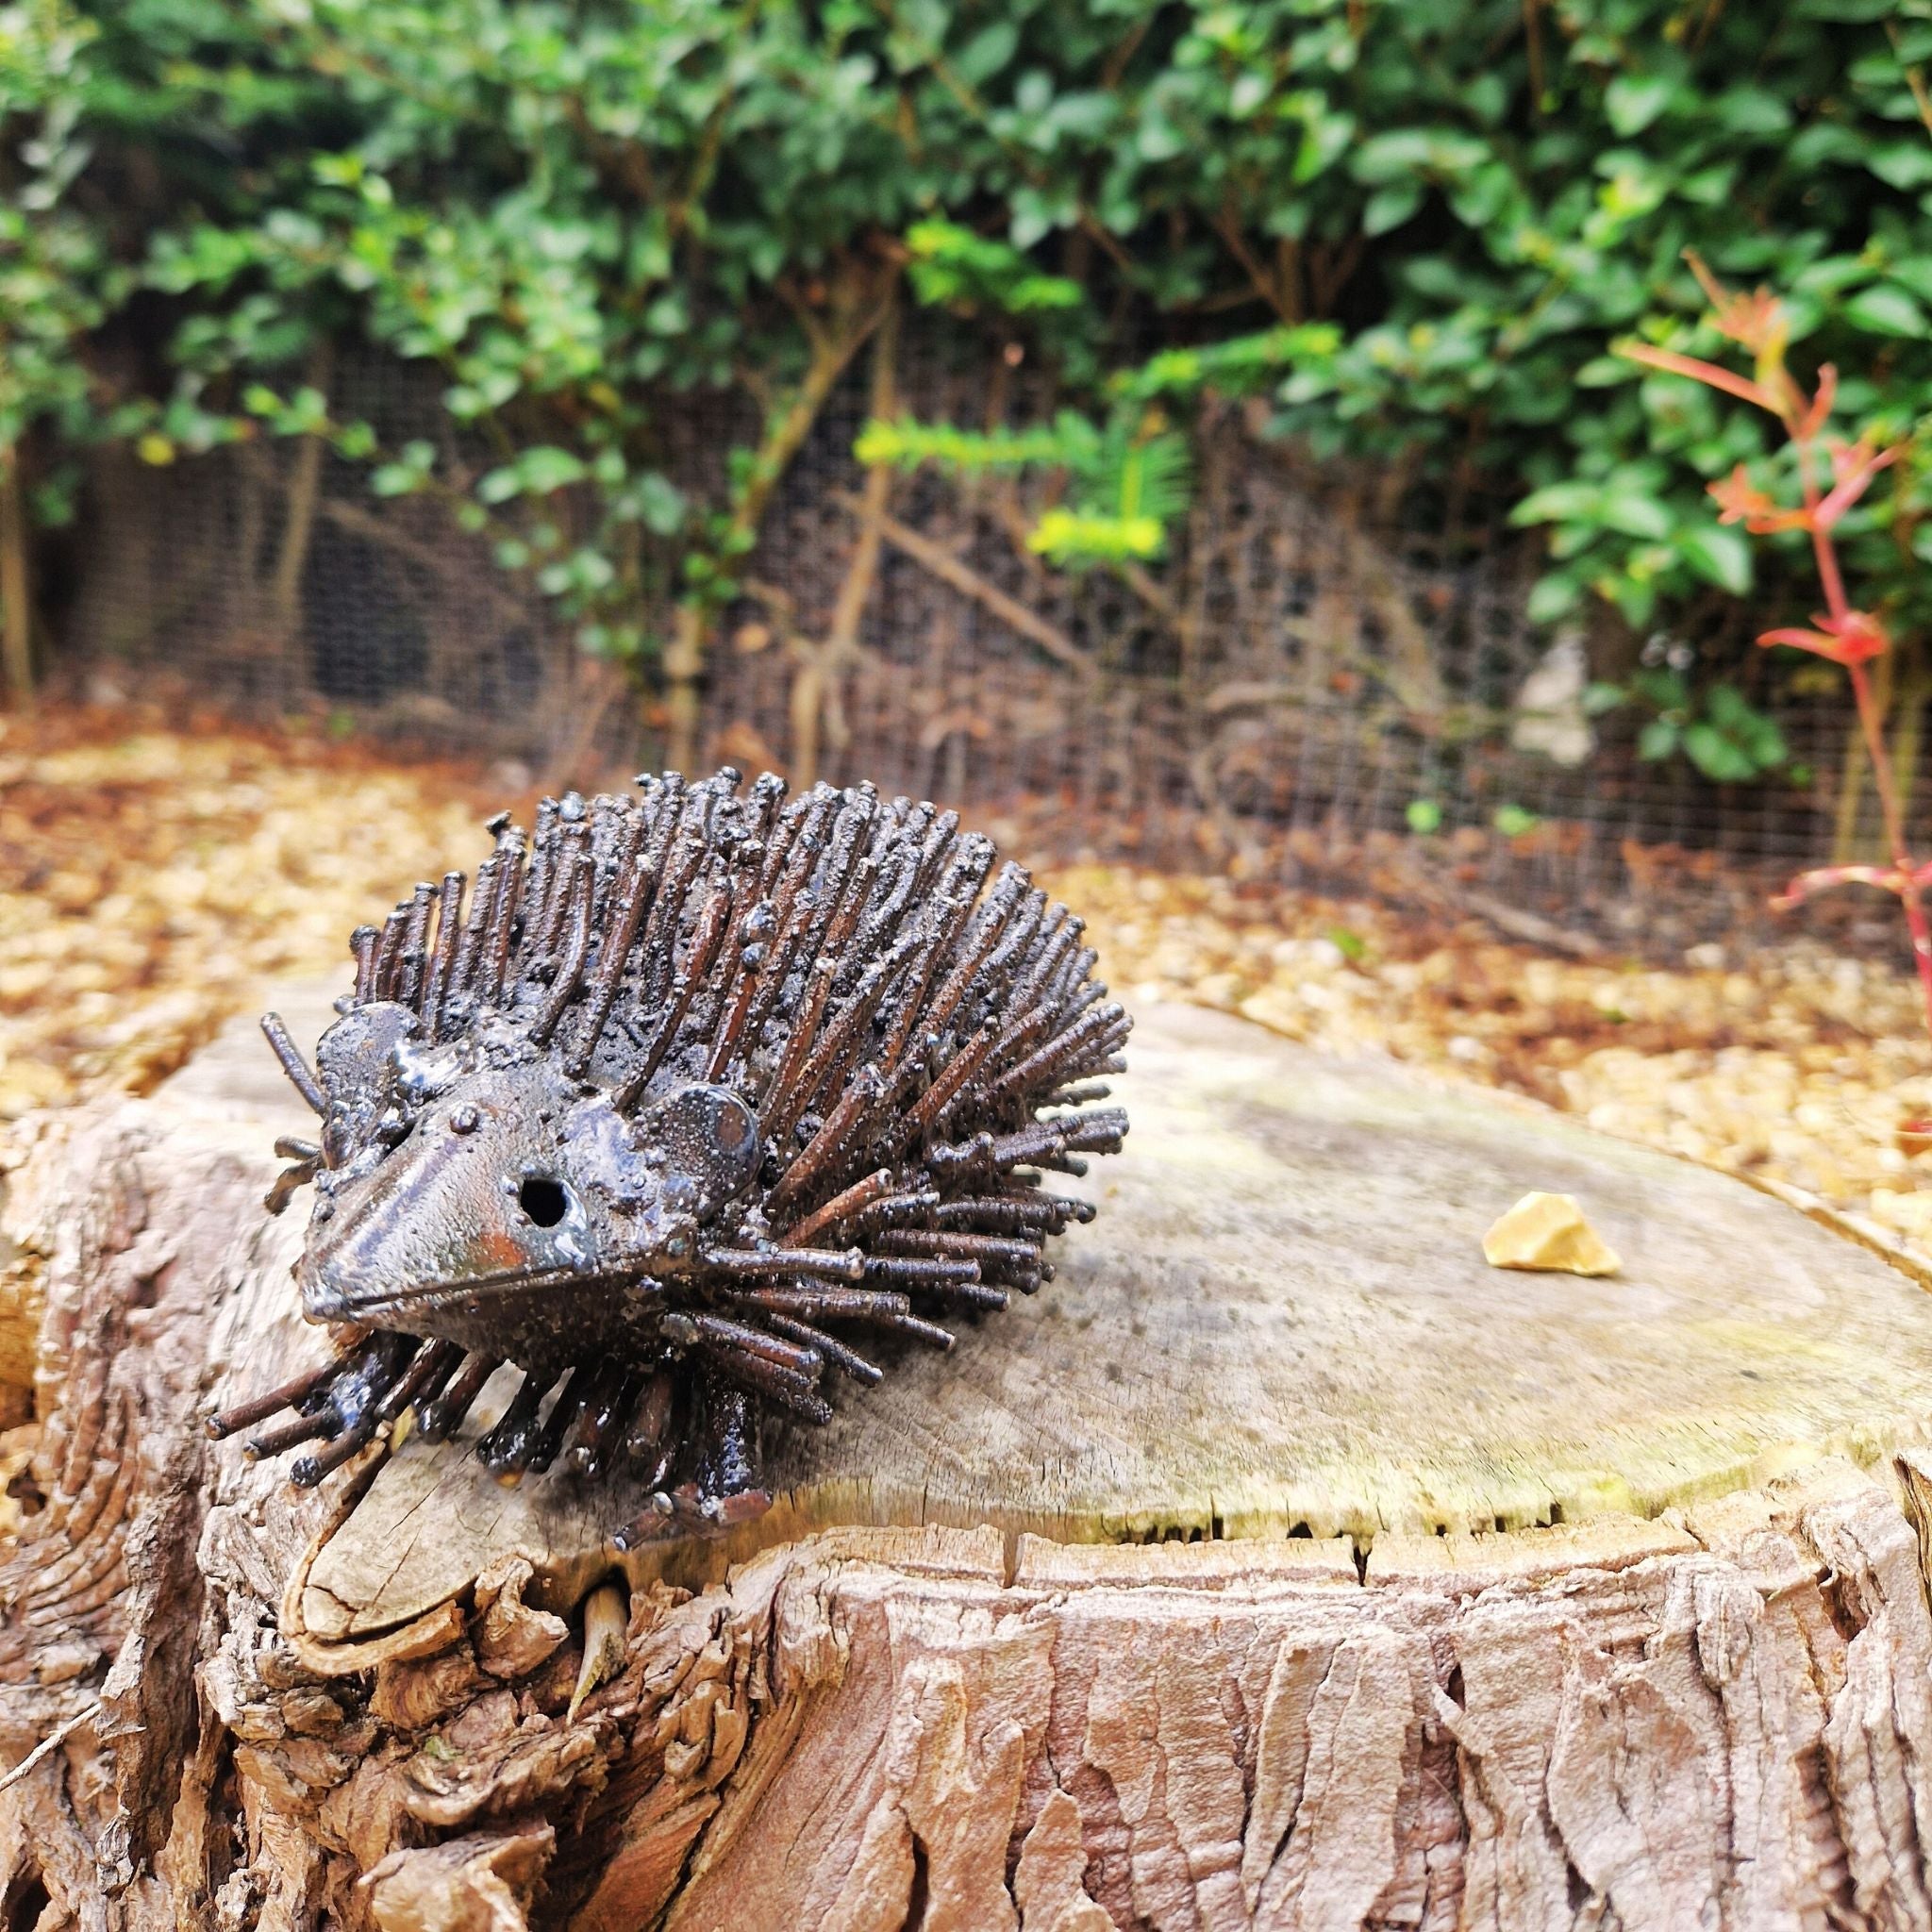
x: 953, y: 265
x: 908, y: 444
x: 1071, y: 538
x: 1139, y: 470
x: 1237, y: 367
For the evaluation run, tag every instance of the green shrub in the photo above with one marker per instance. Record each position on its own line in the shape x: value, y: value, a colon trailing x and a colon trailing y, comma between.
x: 1420, y: 226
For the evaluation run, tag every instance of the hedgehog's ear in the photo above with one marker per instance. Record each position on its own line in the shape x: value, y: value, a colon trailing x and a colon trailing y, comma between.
x: 361, y: 1076
x: 358, y: 1052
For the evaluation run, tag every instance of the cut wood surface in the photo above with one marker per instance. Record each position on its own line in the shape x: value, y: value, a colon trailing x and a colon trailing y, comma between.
x: 1478, y: 1598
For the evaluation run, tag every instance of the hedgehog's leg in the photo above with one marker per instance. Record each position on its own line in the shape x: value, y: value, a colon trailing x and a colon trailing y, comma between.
x: 306, y: 1156
x: 296, y: 1394
x: 343, y: 1404
x: 300, y: 1428
x: 647, y: 1436
x: 307, y: 1470
x: 730, y: 1461
x: 506, y: 1450
x: 607, y: 1408
x: 440, y: 1417
x: 422, y: 1381
x: 727, y: 1484
x: 320, y: 1399
x: 564, y: 1413
x: 354, y: 1410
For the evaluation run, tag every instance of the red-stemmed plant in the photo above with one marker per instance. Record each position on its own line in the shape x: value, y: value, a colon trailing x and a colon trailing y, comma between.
x: 1842, y: 632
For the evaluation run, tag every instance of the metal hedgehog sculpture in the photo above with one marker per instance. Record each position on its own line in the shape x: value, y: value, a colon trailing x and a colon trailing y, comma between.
x: 676, y: 1089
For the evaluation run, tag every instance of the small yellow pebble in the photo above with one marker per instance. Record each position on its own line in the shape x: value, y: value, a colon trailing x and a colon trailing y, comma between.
x: 1547, y: 1232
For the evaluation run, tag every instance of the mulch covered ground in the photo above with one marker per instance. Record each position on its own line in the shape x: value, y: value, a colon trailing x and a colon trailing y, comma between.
x: 154, y: 880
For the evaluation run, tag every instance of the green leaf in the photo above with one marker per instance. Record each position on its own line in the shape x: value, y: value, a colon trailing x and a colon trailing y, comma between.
x: 1663, y: 690
x: 1634, y: 515
x: 1423, y: 816
x: 1390, y: 156
x: 1554, y: 598
x: 1158, y: 139
x: 1633, y: 100
x: 1558, y: 503
x: 1634, y: 596
x: 1657, y: 740
x: 1716, y: 755
x: 1906, y: 164
x: 986, y: 53
x: 1249, y: 91
x: 1852, y: 12
x: 1719, y: 555
x: 661, y: 504
x: 547, y: 468
x: 1913, y: 272
x: 1886, y: 310
x: 1388, y: 207
x: 395, y: 479
x: 1069, y: 536
x: 668, y: 315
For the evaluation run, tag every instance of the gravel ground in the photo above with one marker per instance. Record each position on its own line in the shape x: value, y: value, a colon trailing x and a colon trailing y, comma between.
x: 1794, y: 1062
x: 151, y: 882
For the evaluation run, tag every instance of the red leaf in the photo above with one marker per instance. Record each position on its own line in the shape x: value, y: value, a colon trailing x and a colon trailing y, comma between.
x: 1713, y: 375
x: 1819, y: 411
x: 1853, y: 639
x: 1740, y: 500
x: 1756, y: 321
x: 1854, y: 465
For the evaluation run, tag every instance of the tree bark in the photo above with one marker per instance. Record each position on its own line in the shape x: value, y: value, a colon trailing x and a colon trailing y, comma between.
x: 1279, y: 1565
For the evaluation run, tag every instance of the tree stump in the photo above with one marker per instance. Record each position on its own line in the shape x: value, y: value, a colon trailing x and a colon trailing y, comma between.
x: 1279, y: 1565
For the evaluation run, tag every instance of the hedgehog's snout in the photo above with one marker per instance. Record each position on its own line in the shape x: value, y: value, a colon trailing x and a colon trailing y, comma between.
x: 515, y: 1177
x: 477, y: 1193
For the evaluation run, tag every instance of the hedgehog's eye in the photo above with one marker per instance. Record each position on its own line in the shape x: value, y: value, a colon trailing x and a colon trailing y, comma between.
x: 544, y: 1200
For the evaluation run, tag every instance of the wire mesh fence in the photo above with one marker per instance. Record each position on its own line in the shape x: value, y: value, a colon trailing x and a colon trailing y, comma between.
x: 1329, y: 675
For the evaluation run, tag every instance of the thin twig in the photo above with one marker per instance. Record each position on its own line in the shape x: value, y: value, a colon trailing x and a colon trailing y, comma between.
x: 815, y: 698
x: 49, y: 1744
x: 968, y: 582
